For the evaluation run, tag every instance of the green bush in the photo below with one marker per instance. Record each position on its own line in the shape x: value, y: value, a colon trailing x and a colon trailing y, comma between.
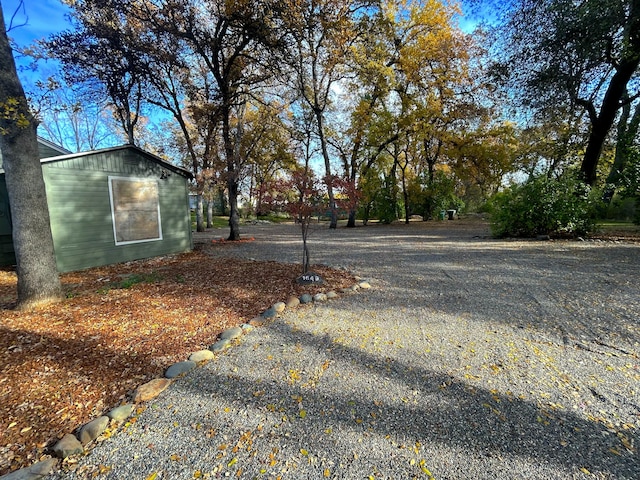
x: 544, y: 206
x: 429, y: 198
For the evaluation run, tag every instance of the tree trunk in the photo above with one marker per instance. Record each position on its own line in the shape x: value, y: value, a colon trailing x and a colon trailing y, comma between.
x: 405, y: 195
x: 627, y: 131
x: 304, y: 225
x: 222, y: 198
x: 199, y: 214
x: 351, y: 222
x: 210, y: 213
x: 38, y: 280
x: 602, y: 123
x: 327, y: 166
x: 234, y: 217
x: 232, y: 175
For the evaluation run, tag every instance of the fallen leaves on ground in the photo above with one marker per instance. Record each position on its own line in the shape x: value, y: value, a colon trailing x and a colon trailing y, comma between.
x: 120, y: 326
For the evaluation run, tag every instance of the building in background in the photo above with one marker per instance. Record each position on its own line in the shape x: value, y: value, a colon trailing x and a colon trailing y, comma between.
x: 108, y: 206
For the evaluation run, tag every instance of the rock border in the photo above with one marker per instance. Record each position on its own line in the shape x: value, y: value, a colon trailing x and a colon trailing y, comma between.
x: 78, y: 443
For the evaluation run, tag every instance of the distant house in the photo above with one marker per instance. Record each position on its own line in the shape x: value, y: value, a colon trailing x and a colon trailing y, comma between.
x: 108, y: 206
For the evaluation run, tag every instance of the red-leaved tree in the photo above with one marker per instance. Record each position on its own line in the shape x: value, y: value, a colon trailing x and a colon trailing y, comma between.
x: 347, y: 195
x: 300, y: 196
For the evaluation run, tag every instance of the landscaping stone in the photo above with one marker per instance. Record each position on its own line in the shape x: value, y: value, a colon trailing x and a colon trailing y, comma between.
x: 93, y: 429
x: 332, y: 294
x: 220, y: 345
x: 150, y: 389
x: 33, y: 472
x: 201, y: 356
x: 279, y: 307
x: 309, y: 278
x: 257, y: 321
x: 246, y: 327
x: 364, y: 285
x: 180, y: 368
x: 67, y: 446
x: 306, y: 298
x: 270, y: 313
x: 355, y: 288
x: 231, y: 333
x: 293, y: 302
x: 121, y: 413
x: 320, y: 297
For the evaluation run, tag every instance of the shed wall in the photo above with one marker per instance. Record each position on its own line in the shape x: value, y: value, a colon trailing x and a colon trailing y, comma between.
x: 80, y: 210
x: 45, y: 151
x: 7, y: 256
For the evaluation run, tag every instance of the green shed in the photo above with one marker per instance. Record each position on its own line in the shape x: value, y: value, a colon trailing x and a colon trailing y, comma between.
x: 109, y: 206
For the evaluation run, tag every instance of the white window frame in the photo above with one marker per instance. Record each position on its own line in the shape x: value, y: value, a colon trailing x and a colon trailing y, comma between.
x: 113, y: 201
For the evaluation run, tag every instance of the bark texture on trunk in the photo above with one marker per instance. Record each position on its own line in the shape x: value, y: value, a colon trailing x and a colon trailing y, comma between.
x: 38, y: 280
x: 602, y: 121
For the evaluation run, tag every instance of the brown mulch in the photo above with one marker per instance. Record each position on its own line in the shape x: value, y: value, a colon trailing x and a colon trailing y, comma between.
x: 119, y: 327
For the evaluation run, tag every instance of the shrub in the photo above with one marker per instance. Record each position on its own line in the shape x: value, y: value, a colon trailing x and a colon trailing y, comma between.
x: 544, y: 206
x: 428, y: 198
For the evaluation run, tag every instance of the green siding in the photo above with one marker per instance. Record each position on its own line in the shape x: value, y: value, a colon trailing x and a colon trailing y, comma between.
x: 81, y: 220
x: 7, y: 256
x: 45, y: 151
x: 80, y: 209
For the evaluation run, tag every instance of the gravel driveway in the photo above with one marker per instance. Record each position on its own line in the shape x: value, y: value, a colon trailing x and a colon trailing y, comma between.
x: 470, y: 358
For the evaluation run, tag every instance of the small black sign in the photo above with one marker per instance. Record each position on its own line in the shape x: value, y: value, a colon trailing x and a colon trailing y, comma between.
x: 309, y: 278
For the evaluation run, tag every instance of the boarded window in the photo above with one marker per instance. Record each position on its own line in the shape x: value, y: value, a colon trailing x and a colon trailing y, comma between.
x: 135, y: 208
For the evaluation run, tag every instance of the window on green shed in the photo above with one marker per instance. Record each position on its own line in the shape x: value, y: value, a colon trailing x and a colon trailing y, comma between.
x: 135, y: 209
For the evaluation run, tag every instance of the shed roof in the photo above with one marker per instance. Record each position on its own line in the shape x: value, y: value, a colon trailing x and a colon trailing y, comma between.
x: 50, y: 146
x: 150, y: 156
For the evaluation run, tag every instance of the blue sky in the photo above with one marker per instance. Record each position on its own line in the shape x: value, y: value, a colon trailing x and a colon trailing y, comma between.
x: 34, y: 19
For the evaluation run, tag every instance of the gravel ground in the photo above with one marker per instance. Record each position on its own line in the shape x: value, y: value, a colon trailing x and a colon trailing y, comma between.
x: 470, y: 358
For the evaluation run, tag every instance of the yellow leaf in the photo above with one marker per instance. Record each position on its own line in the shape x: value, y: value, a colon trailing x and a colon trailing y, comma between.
x: 233, y: 461
x: 326, y: 473
x: 626, y: 442
x: 197, y: 474
x: 303, y: 413
x: 425, y: 470
x: 153, y: 476
x: 304, y: 452
x: 585, y: 471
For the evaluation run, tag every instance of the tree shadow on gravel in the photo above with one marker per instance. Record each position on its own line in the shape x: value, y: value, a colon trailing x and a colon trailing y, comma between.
x: 450, y: 412
x: 575, y: 290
